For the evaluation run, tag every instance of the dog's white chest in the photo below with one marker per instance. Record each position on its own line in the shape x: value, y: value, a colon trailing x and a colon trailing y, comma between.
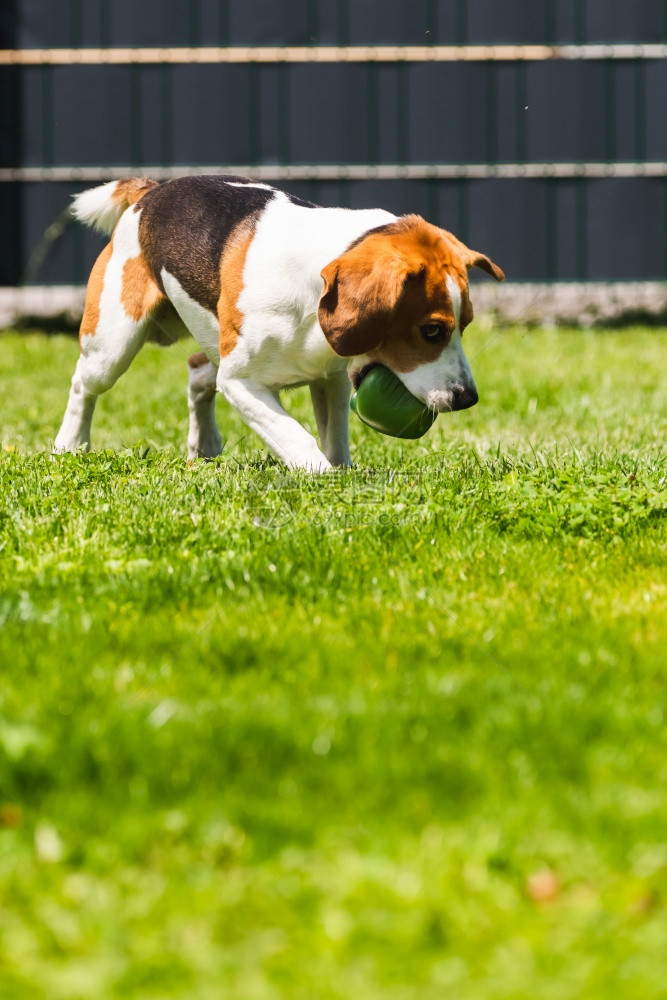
x: 281, y: 351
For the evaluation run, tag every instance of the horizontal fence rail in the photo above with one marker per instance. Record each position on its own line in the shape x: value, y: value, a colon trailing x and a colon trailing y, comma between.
x: 333, y: 172
x: 326, y: 54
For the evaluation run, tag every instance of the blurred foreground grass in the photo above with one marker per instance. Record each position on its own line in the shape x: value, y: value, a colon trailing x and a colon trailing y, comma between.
x: 395, y: 733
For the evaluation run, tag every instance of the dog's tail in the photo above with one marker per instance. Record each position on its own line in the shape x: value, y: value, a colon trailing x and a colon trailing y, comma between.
x: 103, y: 206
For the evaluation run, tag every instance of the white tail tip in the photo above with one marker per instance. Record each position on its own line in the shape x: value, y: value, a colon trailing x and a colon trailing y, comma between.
x: 97, y: 207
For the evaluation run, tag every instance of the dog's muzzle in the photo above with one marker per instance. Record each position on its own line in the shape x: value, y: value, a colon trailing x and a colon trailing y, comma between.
x: 458, y: 397
x: 464, y: 397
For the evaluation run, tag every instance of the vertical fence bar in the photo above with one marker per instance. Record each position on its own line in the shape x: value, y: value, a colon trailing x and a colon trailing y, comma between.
x: 136, y: 155
x: 75, y: 26
x: 403, y: 113
x: 581, y: 215
x: 194, y: 22
x: 284, y: 117
x: 581, y: 183
x: 490, y: 100
x: 224, y: 30
x: 549, y: 22
x: 312, y: 22
x: 78, y: 256
x: 551, y: 220
x: 580, y: 21
x: 76, y: 252
x: 522, y: 111
x: 343, y: 35
x: 372, y: 113
x: 432, y: 32
x: 462, y: 206
x: 255, y: 123
x: 461, y: 22
x: 314, y: 189
x: 166, y: 114
x: 462, y: 209
x: 343, y: 198
x: 13, y: 194
x: 432, y: 38
x: 342, y: 21
x: 47, y: 113
x: 640, y: 109
x: 432, y: 201
x: 609, y: 111
x: 106, y: 29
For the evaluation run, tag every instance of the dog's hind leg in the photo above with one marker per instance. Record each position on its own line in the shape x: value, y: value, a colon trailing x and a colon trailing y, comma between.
x: 120, y: 300
x: 74, y: 433
x: 204, y: 439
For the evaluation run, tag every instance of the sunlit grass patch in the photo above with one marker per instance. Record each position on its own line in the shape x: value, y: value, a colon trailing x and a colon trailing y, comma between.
x: 396, y: 732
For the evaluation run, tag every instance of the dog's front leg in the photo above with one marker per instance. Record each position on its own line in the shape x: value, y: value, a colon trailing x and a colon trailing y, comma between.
x: 331, y: 404
x: 260, y: 408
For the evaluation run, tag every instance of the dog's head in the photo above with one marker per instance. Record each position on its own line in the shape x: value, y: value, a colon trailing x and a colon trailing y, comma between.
x: 399, y: 297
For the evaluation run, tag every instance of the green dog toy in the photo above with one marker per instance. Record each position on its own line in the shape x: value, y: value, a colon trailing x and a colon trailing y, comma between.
x: 383, y: 402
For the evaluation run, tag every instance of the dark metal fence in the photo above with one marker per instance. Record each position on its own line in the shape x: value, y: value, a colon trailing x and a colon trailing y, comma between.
x: 537, y: 132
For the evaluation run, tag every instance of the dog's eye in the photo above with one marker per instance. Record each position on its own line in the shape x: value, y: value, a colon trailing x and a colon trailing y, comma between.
x: 433, y: 332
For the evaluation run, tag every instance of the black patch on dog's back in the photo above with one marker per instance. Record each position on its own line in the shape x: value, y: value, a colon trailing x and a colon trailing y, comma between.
x: 300, y: 201
x: 186, y: 222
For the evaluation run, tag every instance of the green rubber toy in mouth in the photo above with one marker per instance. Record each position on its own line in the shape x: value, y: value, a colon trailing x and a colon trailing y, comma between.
x: 383, y: 402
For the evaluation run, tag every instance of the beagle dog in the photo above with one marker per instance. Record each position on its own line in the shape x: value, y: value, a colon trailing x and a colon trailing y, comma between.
x: 277, y: 292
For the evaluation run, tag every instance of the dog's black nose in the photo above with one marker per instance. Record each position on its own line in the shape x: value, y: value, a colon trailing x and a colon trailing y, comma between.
x: 463, y: 398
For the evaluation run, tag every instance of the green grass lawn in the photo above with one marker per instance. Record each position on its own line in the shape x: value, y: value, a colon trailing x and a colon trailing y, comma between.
x: 391, y: 734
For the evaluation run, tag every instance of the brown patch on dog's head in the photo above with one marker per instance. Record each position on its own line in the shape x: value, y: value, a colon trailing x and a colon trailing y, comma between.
x: 91, y: 312
x: 361, y: 292
x: 391, y: 283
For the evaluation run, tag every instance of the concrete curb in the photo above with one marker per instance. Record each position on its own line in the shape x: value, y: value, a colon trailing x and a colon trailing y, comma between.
x: 42, y: 302
x: 571, y: 303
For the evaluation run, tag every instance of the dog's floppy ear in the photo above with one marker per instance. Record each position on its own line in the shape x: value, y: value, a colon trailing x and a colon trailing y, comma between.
x: 359, y: 298
x: 471, y: 258
x: 482, y: 261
